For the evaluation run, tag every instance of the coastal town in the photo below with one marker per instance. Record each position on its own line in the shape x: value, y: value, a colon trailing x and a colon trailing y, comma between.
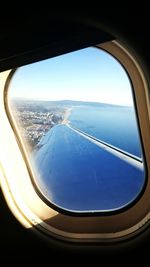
x: 36, y: 119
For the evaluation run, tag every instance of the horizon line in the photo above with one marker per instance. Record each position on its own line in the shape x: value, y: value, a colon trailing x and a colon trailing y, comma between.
x: 60, y: 100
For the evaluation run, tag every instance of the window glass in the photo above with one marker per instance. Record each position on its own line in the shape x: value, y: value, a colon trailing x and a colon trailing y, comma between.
x: 76, y: 116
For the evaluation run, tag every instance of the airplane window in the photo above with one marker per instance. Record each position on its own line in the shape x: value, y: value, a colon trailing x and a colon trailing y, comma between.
x: 76, y: 116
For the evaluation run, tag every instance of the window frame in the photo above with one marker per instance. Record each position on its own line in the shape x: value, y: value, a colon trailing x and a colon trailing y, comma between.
x: 32, y: 211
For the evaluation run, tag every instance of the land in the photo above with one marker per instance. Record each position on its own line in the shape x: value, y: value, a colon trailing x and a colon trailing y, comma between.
x: 36, y: 118
x: 66, y: 116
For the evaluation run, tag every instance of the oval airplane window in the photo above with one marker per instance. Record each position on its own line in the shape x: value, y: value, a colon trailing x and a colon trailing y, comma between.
x: 76, y: 116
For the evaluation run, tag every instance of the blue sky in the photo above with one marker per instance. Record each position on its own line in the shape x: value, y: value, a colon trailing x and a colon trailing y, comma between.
x: 88, y: 74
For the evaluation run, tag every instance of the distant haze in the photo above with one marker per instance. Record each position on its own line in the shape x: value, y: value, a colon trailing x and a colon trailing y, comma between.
x: 86, y: 75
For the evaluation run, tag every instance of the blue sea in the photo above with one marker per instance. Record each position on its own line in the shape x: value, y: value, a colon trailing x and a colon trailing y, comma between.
x: 75, y: 174
x: 114, y: 125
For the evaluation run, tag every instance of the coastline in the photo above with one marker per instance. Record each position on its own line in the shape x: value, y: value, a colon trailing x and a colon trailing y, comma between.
x: 66, y: 116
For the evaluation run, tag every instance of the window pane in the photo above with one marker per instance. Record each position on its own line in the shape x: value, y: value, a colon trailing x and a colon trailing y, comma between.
x: 77, y: 118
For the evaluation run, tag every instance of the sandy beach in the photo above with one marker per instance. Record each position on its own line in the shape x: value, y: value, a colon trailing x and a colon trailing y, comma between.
x: 66, y: 116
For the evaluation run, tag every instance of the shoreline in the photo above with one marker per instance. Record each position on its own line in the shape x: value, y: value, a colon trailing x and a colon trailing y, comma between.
x: 66, y: 116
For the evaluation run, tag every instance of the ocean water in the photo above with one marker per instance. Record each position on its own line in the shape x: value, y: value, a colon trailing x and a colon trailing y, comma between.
x: 77, y: 175
x: 112, y: 124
